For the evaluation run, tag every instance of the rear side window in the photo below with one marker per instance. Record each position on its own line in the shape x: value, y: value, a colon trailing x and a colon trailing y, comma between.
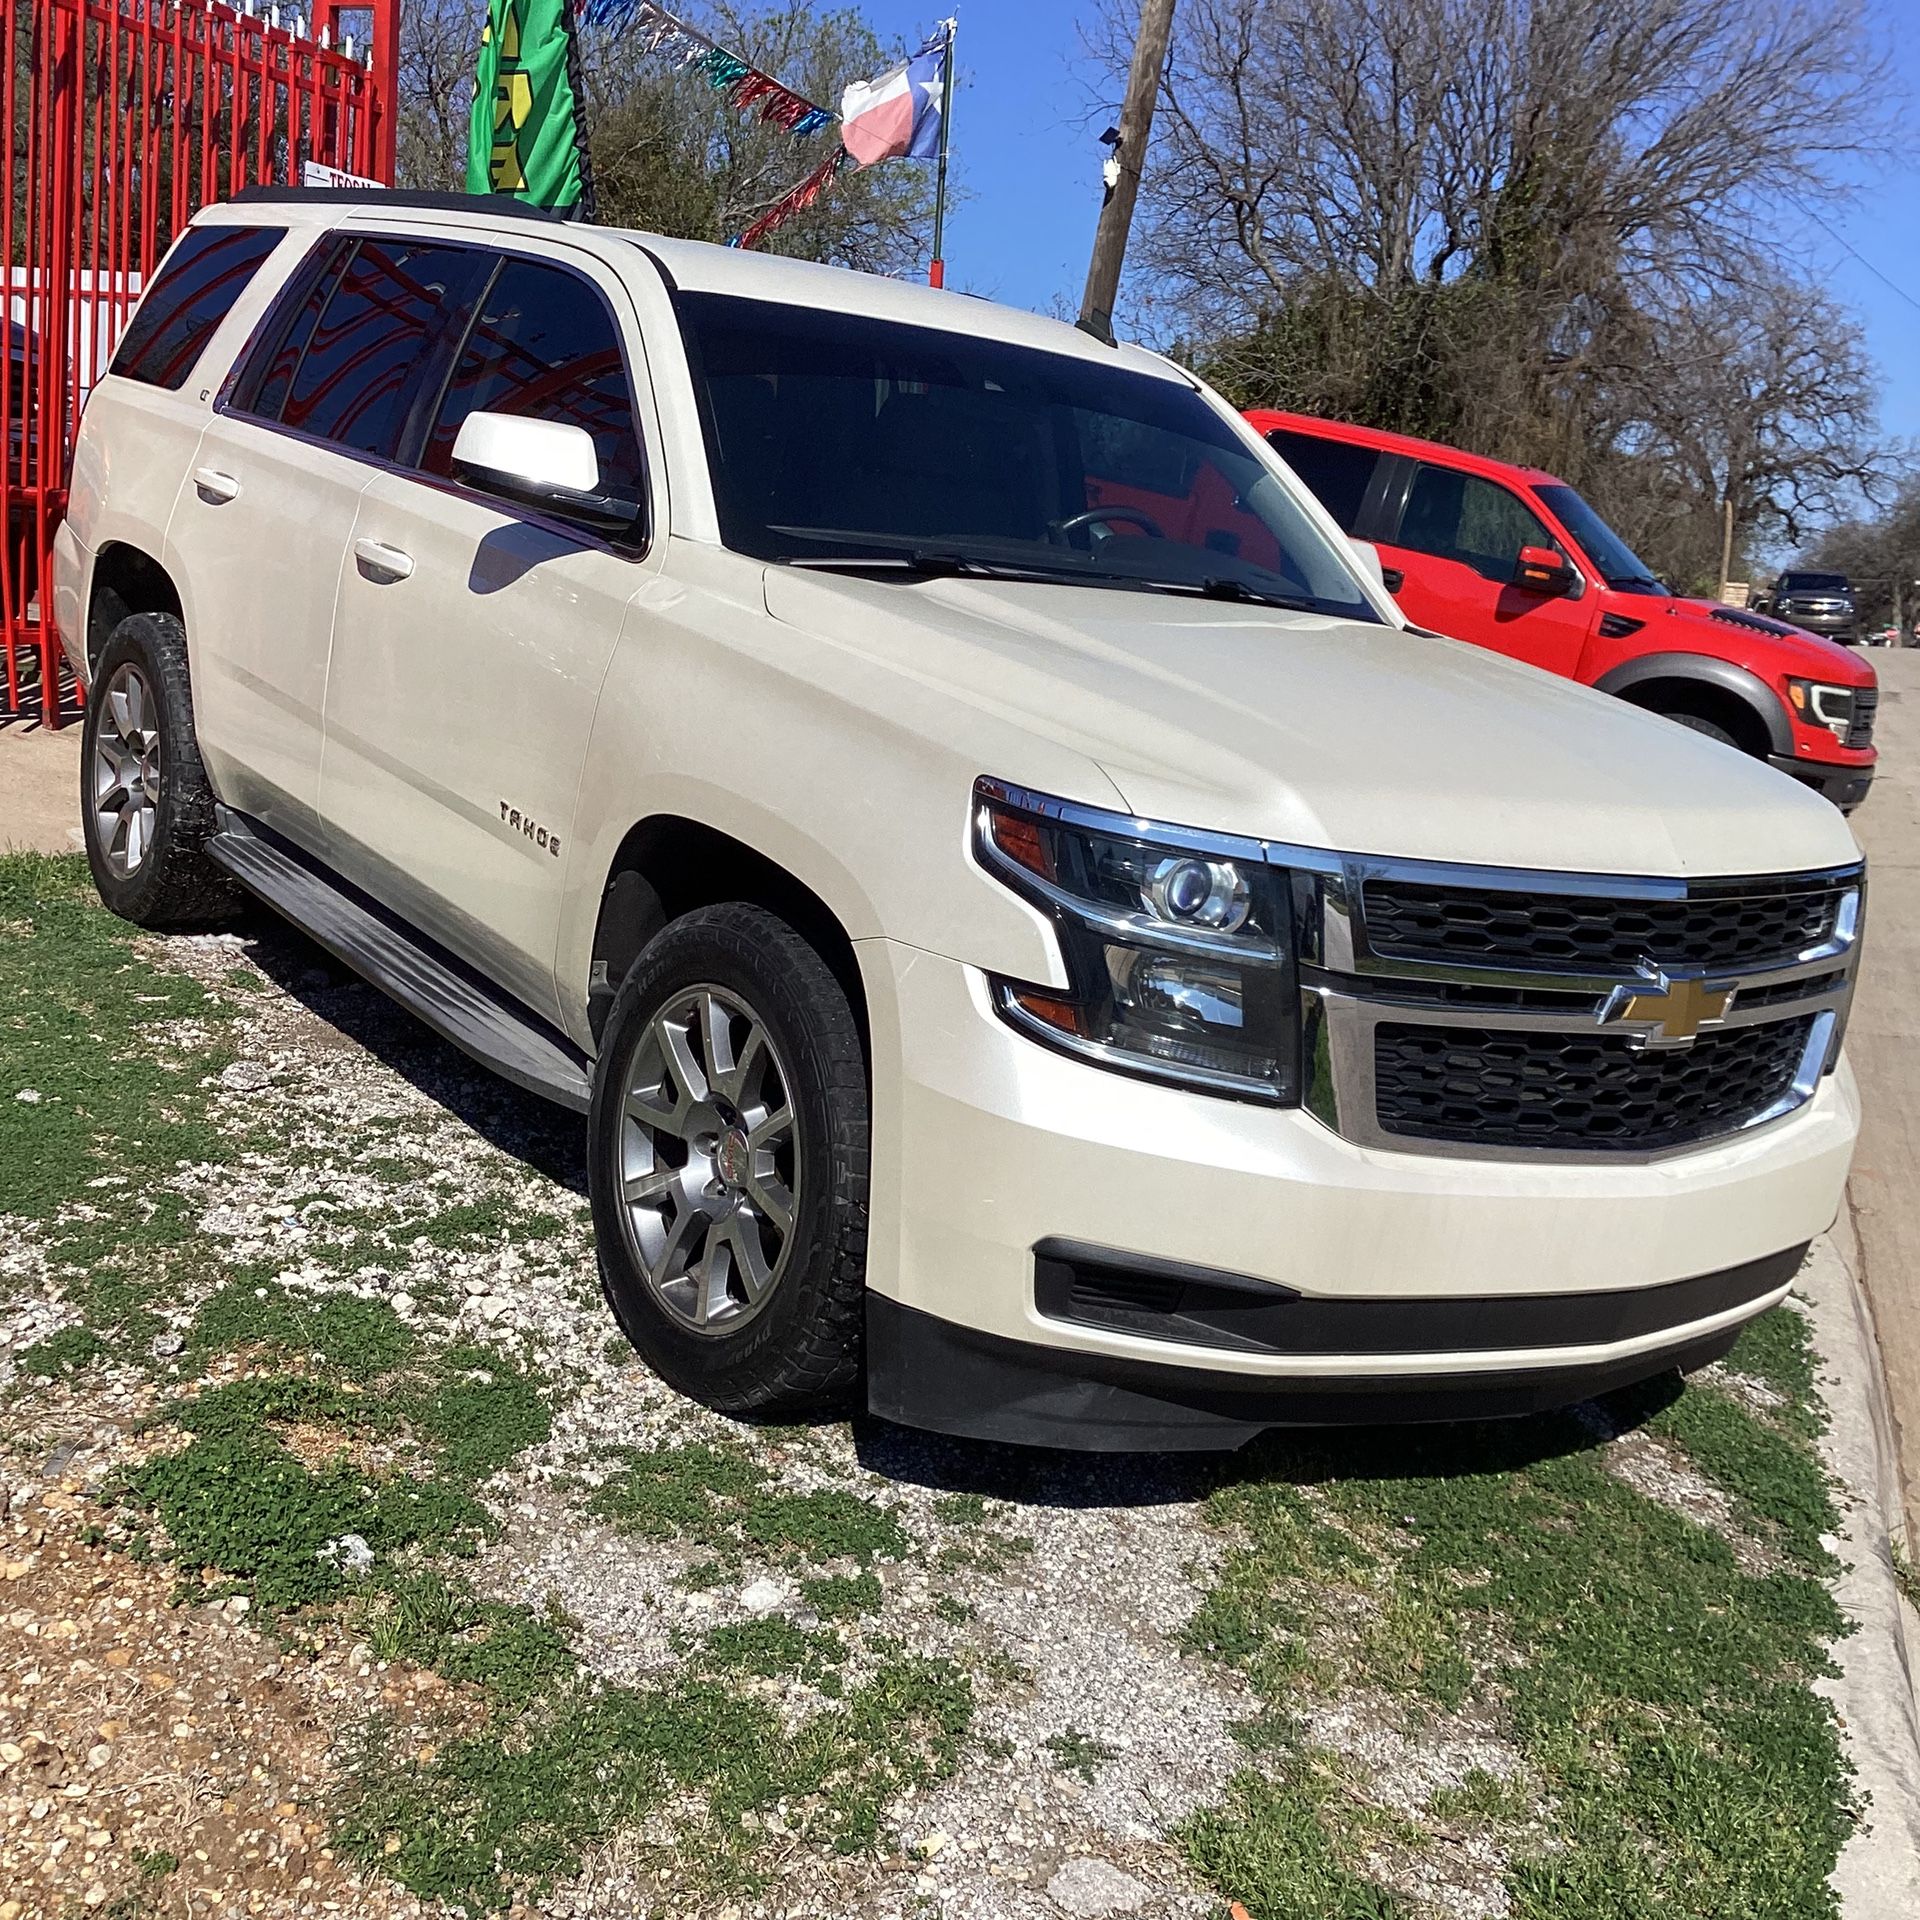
x: 354, y: 380
x: 544, y: 344
x: 1338, y: 475
x: 195, y: 289
x: 1459, y: 516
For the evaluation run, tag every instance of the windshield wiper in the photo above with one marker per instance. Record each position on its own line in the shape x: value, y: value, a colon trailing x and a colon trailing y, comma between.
x: 1221, y: 586
x: 932, y: 560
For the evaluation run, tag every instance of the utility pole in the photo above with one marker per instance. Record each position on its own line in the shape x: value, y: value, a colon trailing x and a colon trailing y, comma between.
x: 1136, y: 124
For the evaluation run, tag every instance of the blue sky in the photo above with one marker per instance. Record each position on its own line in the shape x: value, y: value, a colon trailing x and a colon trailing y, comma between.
x: 1031, y: 171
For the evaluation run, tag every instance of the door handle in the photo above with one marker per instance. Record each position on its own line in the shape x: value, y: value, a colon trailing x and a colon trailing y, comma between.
x: 380, y: 563
x: 214, y: 487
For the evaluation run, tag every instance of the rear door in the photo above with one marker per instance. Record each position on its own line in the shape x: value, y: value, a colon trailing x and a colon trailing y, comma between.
x: 262, y: 525
x: 472, y: 634
x: 1456, y: 544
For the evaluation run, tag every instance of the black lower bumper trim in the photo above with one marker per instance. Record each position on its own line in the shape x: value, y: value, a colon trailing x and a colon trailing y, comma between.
x: 1092, y: 1286
x: 923, y: 1371
x: 1846, y: 787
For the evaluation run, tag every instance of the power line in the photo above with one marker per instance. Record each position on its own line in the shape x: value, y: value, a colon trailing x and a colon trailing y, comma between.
x: 1885, y: 280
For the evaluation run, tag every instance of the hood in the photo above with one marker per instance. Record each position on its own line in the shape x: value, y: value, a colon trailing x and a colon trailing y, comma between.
x: 1704, y: 626
x: 1322, y: 732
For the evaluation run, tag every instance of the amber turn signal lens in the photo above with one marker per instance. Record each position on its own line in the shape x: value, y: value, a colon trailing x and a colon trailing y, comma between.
x: 1058, y: 1013
x: 1020, y: 838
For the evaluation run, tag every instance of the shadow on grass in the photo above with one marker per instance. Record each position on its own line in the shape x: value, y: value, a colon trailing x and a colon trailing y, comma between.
x: 1301, y: 1456
x: 547, y: 1138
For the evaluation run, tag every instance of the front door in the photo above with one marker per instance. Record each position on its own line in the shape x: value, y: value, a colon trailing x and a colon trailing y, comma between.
x: 472, y: 635
x: 1457, y: 545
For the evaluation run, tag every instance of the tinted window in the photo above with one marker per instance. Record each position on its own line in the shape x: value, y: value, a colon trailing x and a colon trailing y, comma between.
x: 1337, y: 474
x: 1459, y: 516
x: 544, y: 344
x: 355, y: 380
x: 841, y: 439
x: 193, y: 292
x: 268, y: 373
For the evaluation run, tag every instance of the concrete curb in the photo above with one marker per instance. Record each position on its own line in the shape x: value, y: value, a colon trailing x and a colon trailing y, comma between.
x: 1878, y: 1875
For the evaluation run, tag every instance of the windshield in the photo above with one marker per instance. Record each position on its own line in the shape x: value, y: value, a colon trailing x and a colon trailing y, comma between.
x: 1619, y: 565
x: 1813, y: 583
x: 836, y: 440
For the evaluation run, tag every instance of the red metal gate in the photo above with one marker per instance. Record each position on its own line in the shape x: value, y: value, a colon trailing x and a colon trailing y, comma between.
x: 124, y: 116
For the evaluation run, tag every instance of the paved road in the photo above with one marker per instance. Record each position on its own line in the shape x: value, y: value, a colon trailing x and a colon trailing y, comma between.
x: 39, y: 787
x: 1884, y: 1041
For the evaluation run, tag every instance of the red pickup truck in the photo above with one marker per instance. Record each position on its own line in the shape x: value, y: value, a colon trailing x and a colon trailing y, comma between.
x: 1511, y: 558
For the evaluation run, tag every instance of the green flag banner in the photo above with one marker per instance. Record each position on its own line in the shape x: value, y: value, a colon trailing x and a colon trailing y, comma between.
x: 524, y: 136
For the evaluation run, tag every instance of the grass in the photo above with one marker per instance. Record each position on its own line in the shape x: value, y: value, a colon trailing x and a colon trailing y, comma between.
x: 84, y: 1091
x: 336, y: 1331
x: 1657, y: 1691
x: 1077, y: 1752
x: 720, y: 1498
x: 71, y: 1350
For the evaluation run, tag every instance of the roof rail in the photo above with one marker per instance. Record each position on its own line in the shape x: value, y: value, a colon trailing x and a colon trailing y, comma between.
x: 493, y: 203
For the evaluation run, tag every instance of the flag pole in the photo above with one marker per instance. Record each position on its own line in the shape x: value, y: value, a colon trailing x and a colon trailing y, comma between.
x: 937, y: 267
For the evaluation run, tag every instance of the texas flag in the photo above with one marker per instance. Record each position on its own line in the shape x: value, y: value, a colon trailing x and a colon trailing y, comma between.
x: 898, y: 115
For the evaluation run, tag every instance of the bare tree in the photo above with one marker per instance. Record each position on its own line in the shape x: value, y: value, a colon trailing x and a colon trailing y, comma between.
x: 1527, y: 226
x: 1765, y: 404
x: 439, y: 53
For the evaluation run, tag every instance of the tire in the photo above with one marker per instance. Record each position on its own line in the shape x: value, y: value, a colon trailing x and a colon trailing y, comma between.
x: 145, y: 805
x: 717, y: 1300
x: 1713, y: 731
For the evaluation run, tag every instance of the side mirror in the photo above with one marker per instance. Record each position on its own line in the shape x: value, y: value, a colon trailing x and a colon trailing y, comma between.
x: 542, y: 463
x: 1541, y: 570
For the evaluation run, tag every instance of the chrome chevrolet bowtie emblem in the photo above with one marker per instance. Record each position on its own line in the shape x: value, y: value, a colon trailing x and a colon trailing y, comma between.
x: 1669, y: 1013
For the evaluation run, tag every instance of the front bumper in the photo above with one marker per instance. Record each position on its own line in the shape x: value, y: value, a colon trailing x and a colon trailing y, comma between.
x: 1843, y: 627
x: 990, y: 1150
x: 1845, y: 786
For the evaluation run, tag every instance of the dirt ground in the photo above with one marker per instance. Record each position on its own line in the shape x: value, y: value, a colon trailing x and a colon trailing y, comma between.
x: 39, y: 787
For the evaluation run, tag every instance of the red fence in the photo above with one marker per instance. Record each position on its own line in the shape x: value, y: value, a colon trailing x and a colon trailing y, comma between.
x: 124, y: 117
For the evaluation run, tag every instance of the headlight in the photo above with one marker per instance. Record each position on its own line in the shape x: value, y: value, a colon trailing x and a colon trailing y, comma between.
x: 1823, y: 705
x: 1178, y: 949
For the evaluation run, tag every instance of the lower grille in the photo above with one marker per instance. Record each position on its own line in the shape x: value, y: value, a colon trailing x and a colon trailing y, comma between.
x: 1500, y: 1087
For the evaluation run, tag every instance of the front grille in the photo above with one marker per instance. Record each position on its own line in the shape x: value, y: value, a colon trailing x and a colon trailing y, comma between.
x: 1575, y: 933
x: 1499, y: 1087
x: 1866, y: 701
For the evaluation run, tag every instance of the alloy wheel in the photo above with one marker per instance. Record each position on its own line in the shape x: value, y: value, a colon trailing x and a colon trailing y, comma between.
x: 709, y: 1161
x: 126, y: 770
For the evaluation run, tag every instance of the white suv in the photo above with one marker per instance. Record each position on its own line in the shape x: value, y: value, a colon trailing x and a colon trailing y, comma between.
x: 1036, y: 936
